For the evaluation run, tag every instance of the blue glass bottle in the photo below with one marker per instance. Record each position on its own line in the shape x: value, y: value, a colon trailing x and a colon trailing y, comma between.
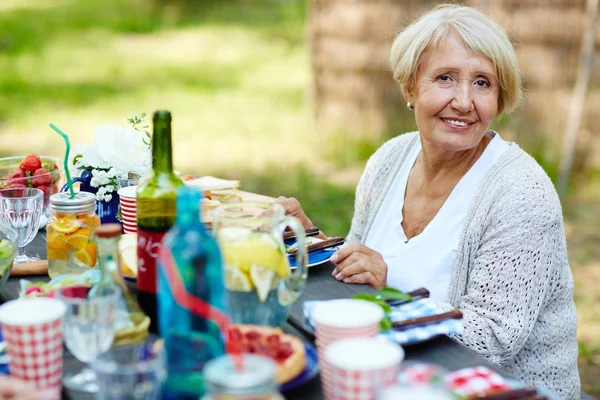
x: 190, y: 340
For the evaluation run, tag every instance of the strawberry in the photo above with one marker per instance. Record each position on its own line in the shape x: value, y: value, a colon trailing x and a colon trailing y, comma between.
x: 44, y: 189
x: 16, y: 177
x: 15, y: 185
x: 30, y: 164
x: 41, y: 177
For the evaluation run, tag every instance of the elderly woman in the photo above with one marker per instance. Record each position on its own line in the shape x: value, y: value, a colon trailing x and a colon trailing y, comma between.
x: 455, y: 208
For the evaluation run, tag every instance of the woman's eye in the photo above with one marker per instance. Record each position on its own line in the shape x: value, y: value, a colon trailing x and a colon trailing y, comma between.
x: 482, y: 83
x: 444, y: 78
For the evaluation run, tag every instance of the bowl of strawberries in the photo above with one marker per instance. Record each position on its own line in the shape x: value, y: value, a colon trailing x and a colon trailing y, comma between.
x: 32, y: 171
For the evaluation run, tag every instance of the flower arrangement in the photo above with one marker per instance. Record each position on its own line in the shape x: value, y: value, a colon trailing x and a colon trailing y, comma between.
x: 116, y: 152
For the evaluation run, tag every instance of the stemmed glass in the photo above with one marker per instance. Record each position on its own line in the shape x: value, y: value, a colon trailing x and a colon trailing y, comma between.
x: 21, y: 209
x: 89, y: 329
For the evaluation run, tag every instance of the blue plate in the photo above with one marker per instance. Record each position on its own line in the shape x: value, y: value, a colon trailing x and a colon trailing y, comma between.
x: 312, y: 369
x: 316, y: 258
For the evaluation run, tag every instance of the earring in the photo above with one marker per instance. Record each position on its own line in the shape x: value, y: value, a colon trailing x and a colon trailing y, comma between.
x: 410, y: 106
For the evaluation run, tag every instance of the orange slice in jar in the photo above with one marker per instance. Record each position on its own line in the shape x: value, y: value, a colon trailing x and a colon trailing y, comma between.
x: 87, y: 255
x: 65, y: 225
x: 56, y: 240
x: 91, y: 222
x: 79, y: 239
x: 57, y: 254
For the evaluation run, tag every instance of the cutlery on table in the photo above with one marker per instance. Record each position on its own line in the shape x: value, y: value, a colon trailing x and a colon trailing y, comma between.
x: 325, y: 244
x: 430, y: 319
x: 521, y: 394
x: 314, y: 231
x: 415, y: 295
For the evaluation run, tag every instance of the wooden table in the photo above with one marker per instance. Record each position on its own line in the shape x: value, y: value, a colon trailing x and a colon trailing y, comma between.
x: 321, y: 286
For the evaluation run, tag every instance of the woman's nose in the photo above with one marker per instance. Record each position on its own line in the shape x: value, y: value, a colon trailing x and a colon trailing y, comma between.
x: 462, y: 101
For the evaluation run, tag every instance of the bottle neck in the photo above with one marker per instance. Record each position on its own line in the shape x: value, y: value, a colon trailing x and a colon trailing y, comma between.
x: 162, y: 150
x: 108, y: 258
x: 187, y: 215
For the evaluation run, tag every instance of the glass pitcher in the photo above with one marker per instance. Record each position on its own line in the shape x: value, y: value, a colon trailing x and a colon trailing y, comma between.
x: 260, y: 284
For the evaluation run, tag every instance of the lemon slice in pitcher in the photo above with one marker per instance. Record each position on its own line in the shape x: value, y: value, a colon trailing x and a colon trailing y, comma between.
x: 262, y: 278
x: 237, y: 280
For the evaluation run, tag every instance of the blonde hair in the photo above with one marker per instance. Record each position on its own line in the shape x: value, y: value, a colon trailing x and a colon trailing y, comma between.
x: 481, y: 35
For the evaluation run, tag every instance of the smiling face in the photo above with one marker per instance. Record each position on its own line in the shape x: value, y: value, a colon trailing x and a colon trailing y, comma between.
x: 455, y: 96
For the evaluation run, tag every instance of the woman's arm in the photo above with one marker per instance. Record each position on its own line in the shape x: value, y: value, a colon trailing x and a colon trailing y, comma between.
x: 513, y: 273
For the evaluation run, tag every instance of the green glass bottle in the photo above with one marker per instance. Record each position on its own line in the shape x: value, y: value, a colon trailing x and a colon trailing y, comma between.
x: 156, y: 211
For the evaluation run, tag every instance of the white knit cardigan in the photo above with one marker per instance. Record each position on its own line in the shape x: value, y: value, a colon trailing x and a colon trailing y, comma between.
x: 511, y: 278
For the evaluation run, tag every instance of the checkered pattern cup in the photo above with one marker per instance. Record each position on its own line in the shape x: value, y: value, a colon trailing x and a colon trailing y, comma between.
x: 33, y: 330
x: 127, y: 201
x: 362, y: 367
x: 342, y: 319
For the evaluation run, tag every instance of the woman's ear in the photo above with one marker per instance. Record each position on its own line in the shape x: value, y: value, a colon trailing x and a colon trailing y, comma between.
x: 407, y: 94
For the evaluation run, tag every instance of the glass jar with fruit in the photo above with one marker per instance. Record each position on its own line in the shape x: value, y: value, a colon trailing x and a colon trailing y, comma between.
x: 70, y: 234
x: 261, y: 286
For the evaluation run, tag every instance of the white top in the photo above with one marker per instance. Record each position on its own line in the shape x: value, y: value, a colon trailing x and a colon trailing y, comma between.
x: 426, y: 260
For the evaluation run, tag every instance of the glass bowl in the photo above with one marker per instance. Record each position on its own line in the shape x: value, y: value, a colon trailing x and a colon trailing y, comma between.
x: 11, y: 176
x: 8, y: 251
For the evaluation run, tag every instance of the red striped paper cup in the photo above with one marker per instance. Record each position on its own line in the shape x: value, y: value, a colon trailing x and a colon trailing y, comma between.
x: 342, y: 319
x: 359, y: 368
x: 33, y: 330
x: 127, y: 200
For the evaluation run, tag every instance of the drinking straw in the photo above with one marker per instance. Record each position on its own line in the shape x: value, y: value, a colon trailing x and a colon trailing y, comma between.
x: 200, y: 307
x: 66, y: 160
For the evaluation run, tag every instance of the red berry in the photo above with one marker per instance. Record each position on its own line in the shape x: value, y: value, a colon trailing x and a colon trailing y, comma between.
x: 17, y: 175
x: 44, y: 189
x: 31, y: 163
x: 15, y: 185
x: 41, y: 177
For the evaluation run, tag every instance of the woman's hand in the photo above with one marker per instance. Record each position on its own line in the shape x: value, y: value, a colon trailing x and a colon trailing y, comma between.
x: 14, y: 389
x: 358, y: 263
x: 292, y: 207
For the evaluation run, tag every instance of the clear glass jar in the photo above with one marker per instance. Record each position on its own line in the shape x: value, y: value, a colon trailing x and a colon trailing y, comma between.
x: 70, y: 234
x: 255, y: 381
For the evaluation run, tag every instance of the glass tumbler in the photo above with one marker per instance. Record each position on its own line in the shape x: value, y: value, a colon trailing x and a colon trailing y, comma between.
x: 89, y: 329
x: 21, y: 209
x: 134, y: 371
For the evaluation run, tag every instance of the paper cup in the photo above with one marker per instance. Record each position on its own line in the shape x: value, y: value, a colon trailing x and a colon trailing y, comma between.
x: 128, y: 193
x: 343, y: 319
x: 362, y: 367
x: 33, y: 330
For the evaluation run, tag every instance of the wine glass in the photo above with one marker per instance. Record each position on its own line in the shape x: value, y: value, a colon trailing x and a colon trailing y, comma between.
x: 21, y: 209
x: 89, y: 329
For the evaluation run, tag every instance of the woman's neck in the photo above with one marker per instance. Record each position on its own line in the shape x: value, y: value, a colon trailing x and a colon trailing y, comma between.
x: 437, y: 163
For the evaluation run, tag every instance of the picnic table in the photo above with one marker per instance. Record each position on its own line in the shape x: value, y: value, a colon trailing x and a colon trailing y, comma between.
x: 320, y: 286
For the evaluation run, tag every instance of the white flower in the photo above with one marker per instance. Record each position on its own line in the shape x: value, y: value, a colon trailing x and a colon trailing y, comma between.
x: 91, y: 158
x: 101, y: 190
x: 109, y: 189
x: 108, y: 197
x: 123, y: 148
x: 94, y: 181
x: 113, y: 172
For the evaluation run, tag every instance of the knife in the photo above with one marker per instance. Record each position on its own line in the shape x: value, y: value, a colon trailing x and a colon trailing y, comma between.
x: 325, y: 244
x: 428, y: 320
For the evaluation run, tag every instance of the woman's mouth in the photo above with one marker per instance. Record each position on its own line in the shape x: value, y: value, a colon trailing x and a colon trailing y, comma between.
x: 457, y: 123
